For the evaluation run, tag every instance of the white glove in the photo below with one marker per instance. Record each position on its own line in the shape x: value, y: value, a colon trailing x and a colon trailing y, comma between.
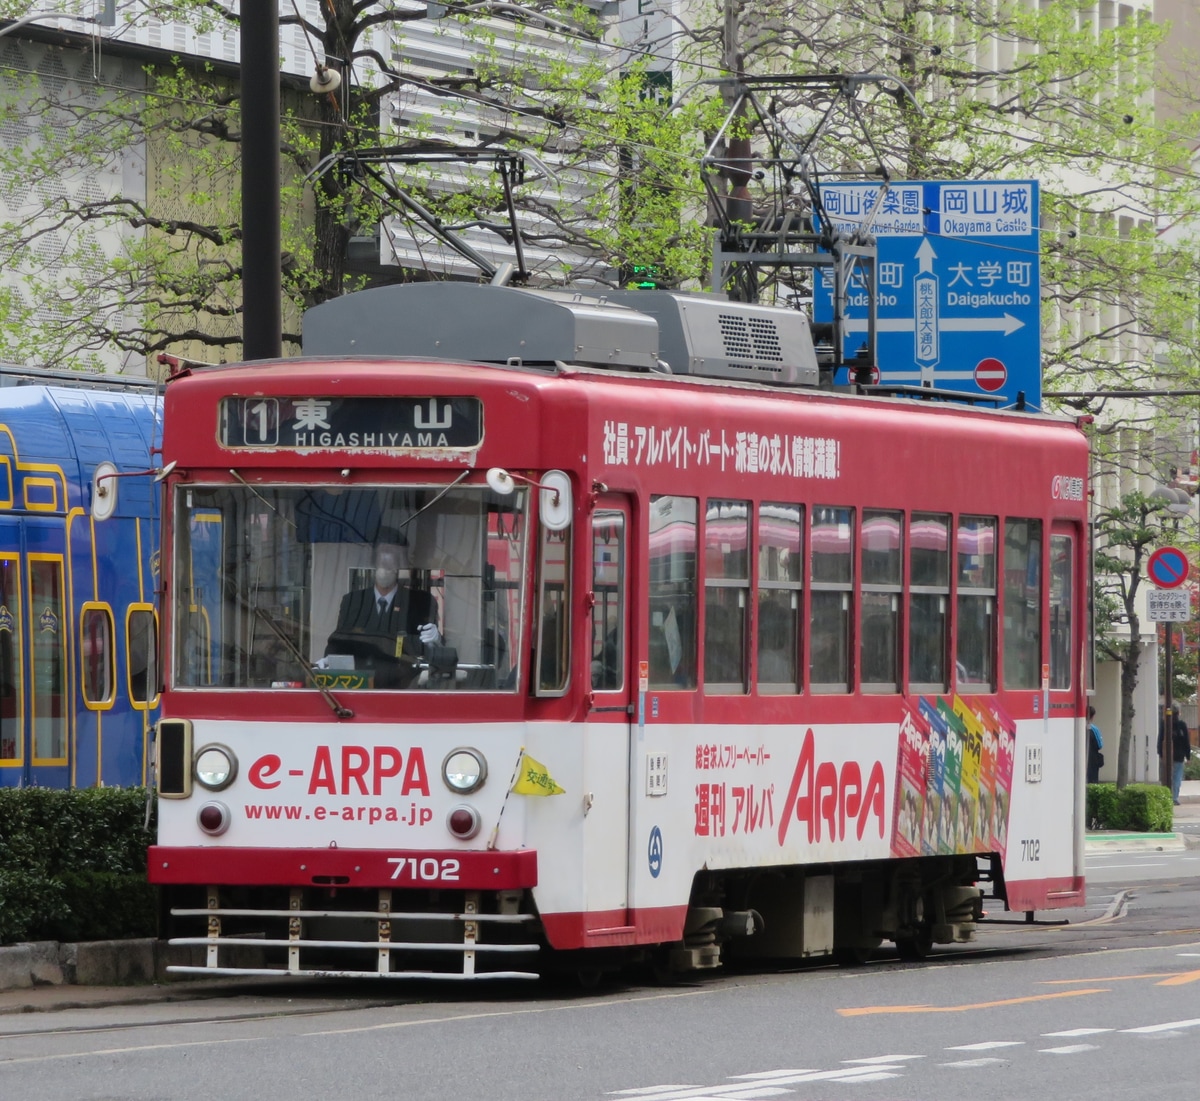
x: 320, y: 663
x: 428, y: 633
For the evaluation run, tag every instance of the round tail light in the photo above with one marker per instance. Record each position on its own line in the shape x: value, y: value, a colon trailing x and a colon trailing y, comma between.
x: 463, y: 821
x: 213, y: 818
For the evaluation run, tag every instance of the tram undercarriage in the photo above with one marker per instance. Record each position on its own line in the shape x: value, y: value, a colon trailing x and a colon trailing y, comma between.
x: 786, y: 913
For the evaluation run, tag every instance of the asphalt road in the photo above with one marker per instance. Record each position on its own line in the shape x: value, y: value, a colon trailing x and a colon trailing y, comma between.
x: 1105, y: 1007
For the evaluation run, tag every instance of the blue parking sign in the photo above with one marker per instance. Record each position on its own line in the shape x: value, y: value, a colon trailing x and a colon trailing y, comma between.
x: 958, y: 284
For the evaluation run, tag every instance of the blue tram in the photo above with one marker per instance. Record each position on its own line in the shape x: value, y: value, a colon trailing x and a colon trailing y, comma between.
x: 78, y: 622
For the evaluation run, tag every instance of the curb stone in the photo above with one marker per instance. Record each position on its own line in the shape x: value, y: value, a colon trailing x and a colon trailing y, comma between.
x: 87, y: 963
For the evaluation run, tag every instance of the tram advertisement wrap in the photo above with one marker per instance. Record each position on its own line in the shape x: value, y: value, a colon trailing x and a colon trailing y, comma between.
x: 954, y: 771
x: 950, y: 793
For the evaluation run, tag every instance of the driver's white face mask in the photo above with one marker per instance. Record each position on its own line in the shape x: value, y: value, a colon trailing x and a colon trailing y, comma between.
x: 385, y: 579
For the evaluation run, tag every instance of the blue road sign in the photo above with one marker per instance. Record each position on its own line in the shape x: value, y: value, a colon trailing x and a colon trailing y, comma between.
x: 1167, y: 567
x: 957, y: 283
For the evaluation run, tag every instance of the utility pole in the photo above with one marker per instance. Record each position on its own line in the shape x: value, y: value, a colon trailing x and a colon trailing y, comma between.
x: 262, y: 275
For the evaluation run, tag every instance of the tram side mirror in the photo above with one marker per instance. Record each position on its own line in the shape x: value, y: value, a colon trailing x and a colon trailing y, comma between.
x: 554, y: 499
x: 104, y: 490
x: 165, y: 470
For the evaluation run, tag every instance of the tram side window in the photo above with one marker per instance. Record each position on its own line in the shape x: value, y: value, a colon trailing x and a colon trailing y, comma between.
x: 780, y: 570
x: 1022, y: 603
x: 672, y: 650
x: 608, y: 611
x: 882, y: 575
x: 96, y: 635
x: 726, y: 594
x: 554, y: 627
x: 1062, y: 572
x: 832, y: 572
x: 975, y: 656
x: 928, y: 600
x: 141, y: 648
x: 10, y: 659
x: 48, y: 631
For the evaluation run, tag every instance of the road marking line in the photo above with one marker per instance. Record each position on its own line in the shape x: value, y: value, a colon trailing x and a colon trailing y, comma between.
x: 643, y: 1091
x: 768, y: 1074
x: 883, y: 1059
x: 986, y: 1045
x: 1169, y: 1026
x: 1181, y: 979
x: 750, y: 1093
x: 869, y: 1010
x: 1070, y: 1049
x: 1078, y: 1032
x: 522, y: 1012
x: 963, y: 1064
x: 132, y: 1050
x: 738, y: 1089
x: 1109, y: 978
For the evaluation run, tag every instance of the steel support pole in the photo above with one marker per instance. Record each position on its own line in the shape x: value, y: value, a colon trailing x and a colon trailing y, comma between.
x: 262, y: 311
x: 1168, y: 720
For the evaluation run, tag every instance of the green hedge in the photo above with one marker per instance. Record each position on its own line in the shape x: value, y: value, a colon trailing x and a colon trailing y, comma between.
x: 73, y: 865
x: 1146, y: 808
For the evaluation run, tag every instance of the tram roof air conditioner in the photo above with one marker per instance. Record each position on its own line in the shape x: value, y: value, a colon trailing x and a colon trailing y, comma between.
x: 701, y: 335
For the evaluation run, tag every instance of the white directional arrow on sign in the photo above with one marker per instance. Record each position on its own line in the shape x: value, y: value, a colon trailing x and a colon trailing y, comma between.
x: 1005, y: 324
x: 926, y: 255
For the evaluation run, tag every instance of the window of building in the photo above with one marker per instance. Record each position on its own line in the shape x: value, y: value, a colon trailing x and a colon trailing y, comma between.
x: 882, y: 578
x: 1022, y: 603
x: 831, y: 554
x: 928, y: 600
x: 780, y: 570
x: 975, y: 657
x: 672, y: 649
x: 96, y: 655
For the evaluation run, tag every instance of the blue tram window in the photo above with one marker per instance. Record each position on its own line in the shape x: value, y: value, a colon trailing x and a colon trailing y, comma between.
x: 141, y: 649
x: 96, y: 634
x: 10, y: 659
x: 48, y: 642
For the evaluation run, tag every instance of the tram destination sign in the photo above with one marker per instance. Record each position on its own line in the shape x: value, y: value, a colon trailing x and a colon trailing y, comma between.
x: 351, y: 423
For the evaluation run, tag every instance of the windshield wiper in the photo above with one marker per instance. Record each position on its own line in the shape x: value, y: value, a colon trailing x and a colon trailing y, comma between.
x: 340, y: 710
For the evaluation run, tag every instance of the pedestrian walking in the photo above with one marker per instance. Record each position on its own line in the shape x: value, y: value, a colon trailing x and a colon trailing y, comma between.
x: 1095, y: 744
x: 1181, y: 749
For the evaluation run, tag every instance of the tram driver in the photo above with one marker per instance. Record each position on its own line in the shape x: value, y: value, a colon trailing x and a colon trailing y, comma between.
x: 387, y: 627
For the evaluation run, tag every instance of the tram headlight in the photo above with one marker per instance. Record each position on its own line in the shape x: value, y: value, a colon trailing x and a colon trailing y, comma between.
x: 215, y: 767
x: 464, y: 770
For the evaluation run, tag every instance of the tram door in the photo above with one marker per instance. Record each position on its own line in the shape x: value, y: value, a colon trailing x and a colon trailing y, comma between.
x: 607, y: 764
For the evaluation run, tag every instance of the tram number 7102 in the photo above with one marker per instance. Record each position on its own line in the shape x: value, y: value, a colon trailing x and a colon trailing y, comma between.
x: 428, y: 869
x: 1031, y: 850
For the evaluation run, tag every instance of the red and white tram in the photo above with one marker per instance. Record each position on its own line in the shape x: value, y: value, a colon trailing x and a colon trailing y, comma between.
x: 721, y: 667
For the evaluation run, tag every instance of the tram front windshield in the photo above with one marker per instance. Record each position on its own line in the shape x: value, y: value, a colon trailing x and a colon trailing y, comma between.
x: 393, y: 588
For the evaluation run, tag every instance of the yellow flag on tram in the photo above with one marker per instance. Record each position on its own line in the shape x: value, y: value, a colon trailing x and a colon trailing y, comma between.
x: 533, y: 778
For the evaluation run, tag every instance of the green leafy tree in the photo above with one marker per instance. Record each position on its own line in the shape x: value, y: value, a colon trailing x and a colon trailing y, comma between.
x: 1126, y: 532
